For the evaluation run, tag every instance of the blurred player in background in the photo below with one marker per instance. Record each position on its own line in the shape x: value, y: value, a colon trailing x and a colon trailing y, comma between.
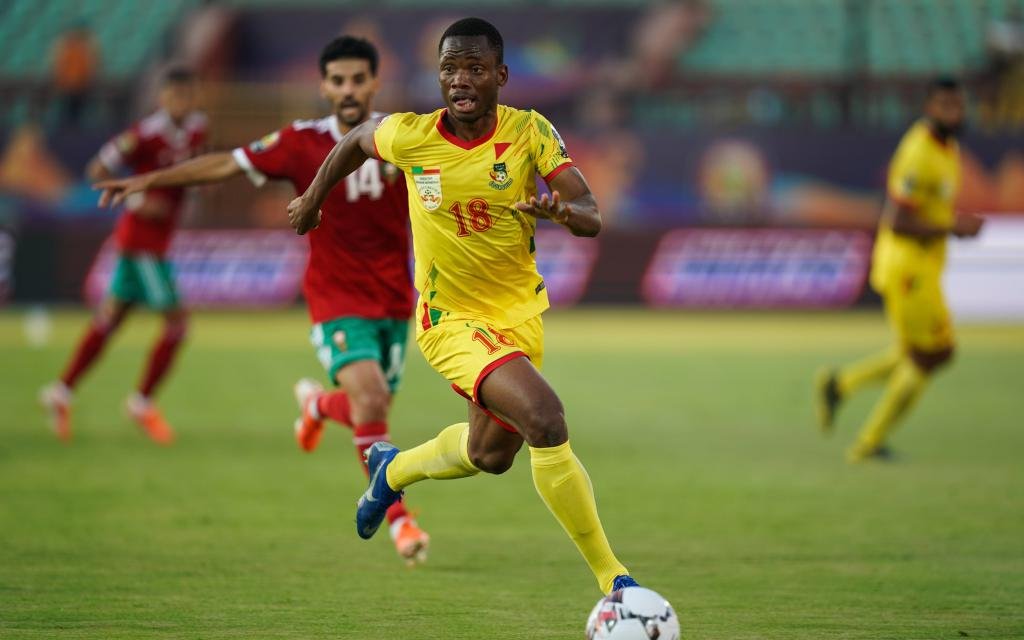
x: 471, y: 173
x: 357, y: 282
x: 910, y: 253
x: 142, y: 275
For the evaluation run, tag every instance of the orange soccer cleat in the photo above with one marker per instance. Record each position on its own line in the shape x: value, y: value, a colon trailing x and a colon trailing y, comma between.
x: 411, y: 542
x: 310, y: 426
x: 56, y: 401
x: 147, y: 416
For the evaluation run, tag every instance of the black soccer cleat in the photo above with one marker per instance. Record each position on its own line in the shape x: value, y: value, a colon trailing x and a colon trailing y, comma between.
x: 826, y: 399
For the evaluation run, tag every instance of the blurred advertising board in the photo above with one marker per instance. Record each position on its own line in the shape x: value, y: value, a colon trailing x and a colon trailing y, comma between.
x: 566, y: 262
x: 757, y: 268
x: 237, y: 268
x: 984, y: 277
x: 6, y: 265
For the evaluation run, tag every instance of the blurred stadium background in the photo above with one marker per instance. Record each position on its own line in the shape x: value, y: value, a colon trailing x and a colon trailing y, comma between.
x: 738, y: 149
x: 720, y: 115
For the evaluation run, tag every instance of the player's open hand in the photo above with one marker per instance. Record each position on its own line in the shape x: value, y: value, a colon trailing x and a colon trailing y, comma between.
x: 303, y: 216
x: 116, y: 190
x: 968, y: 225
x: 551, y: 208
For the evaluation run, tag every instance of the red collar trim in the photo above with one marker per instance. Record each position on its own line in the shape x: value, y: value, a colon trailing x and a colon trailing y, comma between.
x: 459, y: 142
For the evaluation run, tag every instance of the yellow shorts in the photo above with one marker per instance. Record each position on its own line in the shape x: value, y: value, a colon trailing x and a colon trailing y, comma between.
x: 917, y: 313
x: 464, y: 350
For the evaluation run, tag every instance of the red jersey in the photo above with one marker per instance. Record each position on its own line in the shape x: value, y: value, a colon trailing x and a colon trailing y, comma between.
x: 359, y: 255
x: 152, y: 143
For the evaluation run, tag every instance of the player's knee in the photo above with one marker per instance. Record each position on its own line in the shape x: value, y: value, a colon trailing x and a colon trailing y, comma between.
x: 495, y: 461
x: 544, y: 425
x: 109, y: 316
x: 371, y: 405
x: 931, y: 361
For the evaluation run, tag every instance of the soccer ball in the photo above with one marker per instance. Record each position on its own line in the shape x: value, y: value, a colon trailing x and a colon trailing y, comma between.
x: 633, y: 613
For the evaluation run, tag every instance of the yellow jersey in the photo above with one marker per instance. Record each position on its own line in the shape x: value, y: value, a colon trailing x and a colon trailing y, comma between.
x: 474, y: 250
x: 924, y: 175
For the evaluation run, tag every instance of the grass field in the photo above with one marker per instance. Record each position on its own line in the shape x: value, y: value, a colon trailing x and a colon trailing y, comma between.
x: 714, y: 486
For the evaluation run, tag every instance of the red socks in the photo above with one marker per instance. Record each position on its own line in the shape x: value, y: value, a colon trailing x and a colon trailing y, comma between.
x: 89, y: 348
x: 161, y: 357
x: 363, y: 436
x: 335, y: 405
x: 91, y: 345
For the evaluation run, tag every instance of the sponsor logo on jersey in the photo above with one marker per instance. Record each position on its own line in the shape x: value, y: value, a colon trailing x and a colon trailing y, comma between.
x: 428, y: 186
x: 500, y: 179
x: 265, y: 142
x: 561, y: 143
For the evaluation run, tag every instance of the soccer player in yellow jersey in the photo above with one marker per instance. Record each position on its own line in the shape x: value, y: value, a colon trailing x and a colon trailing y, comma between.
x: 470, y: 169
x: 910, y: 253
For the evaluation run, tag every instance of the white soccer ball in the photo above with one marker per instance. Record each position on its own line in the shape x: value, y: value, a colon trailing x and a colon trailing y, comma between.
x: 633, y: 613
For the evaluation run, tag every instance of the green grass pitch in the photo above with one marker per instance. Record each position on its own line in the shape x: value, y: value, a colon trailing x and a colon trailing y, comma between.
x: 713, y: 484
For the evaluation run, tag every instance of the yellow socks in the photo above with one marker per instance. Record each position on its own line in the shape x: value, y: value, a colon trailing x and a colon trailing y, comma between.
x: 565, y: 487
x: 905, y: 385
x: 446, y: 457
x: 873, y: 368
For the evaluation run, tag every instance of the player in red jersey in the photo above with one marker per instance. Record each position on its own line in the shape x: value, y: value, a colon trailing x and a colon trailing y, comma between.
x: 357, y: 283
x: 142, y: 275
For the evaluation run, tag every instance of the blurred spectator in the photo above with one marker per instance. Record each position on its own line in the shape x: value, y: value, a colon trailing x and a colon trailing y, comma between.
x: 75, y: 63
x: 1005, y: 43
x: 664, y: 31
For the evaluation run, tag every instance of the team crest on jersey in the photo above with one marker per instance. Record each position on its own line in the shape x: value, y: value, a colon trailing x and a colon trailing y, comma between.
x: 126, y: 142
x: 500, y: 179
x: 265, y: 142
x: 428, y: 186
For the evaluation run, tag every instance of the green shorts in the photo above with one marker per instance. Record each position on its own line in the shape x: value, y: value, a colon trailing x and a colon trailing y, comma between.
x: 342, y: 341
x: 145, y: 279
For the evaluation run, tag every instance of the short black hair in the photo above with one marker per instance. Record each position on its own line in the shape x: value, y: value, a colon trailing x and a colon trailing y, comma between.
x: 470, y: 27
x: 942, y: 83
x: 345, y: 47
x: 178, y: 74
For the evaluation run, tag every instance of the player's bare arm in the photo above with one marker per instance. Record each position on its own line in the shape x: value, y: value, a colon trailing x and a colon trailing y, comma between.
x: 348, y: 155
x: 571, y: 204
x: 210, y: 167
x: 905, y: 221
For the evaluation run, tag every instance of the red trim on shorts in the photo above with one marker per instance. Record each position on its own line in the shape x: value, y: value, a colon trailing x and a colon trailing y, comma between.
x: 459, y: 142
x: 557, y: 170
x: 490, y: 368
x: 504, y: 425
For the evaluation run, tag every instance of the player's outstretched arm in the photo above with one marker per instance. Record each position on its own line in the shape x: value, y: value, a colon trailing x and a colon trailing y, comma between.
x: 571, y: 204
x: 347, y: 156
x: 904, y: 221
x: 210, y: 167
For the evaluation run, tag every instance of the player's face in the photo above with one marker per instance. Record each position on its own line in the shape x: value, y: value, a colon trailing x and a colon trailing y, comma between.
x: 470, y: 77
x: 349, y: 86
x: 947, y: 110
x: 178, y: 99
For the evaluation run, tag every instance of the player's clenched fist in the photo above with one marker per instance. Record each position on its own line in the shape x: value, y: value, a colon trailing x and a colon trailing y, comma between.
x: 303, y: 216
x: 967, y: 225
